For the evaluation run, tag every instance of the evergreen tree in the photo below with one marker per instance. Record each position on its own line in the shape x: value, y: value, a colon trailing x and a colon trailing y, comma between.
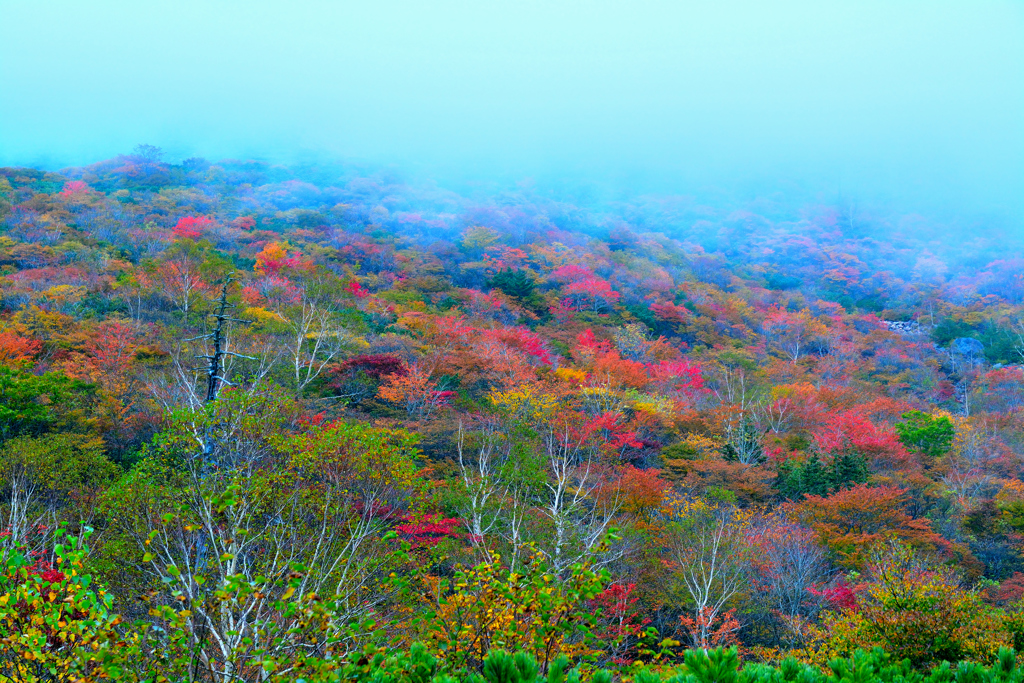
x: 515, y: 283
x: 814, y: 477
x: 848, y: 469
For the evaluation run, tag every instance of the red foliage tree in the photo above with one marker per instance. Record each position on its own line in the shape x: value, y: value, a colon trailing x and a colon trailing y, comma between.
x: 244, y: 223
x: 74, y: 188
x: 426, y: 531
x: 191, y: 227
x: 593, y: 293
x: 15, y: 349
x: 620, y: 624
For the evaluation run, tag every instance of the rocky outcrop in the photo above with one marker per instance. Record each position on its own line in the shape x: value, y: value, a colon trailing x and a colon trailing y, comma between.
x: 967, y: 346
x: 903, y: 326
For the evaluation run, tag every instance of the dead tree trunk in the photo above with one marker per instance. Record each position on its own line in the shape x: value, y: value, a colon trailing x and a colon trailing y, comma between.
x: 218, y: 339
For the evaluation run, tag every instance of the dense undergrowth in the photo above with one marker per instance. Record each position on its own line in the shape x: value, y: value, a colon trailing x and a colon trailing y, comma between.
x: 699, y: 666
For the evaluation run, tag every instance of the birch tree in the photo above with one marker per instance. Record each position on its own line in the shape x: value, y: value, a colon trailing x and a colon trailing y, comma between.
x: 238, y: 492
x: 709, y: 560
x: 579, y: 517
x: 483, y: 489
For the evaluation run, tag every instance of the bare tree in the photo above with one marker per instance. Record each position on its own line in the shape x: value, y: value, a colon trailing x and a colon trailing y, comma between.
x: 709, y: 554
x: 482, y: 488
x: 733, y: 386
x: 580, y: 520
x: 775, y: 415
x: 181, y: 280
x: 315, y: 338
x: 201, y: 366
x: 217, y: 339
x: 47, y: 482
x: 743, y: 438
x: 21, y: 512
x: 235, y: 507
x: 792, y: 568
x: 1017, y: 331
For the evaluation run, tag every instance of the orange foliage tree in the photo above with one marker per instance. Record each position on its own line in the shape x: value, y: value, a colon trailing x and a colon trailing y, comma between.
x: 16, y: 350
x: 851, y: 521
x: 415, y: 391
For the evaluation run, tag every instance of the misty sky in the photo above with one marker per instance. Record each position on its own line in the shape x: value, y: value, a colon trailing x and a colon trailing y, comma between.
x: 920, y: 103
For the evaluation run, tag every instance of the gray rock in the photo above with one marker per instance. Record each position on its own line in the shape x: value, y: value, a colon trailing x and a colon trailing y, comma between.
x: 967, y: 346
x: 903, y: 326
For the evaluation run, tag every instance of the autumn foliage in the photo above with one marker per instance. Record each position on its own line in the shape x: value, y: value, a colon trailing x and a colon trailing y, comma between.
x: 316, y: 420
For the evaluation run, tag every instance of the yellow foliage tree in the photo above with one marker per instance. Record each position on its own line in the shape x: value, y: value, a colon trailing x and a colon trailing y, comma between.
x: 488, y: 607
x: 913, y: 610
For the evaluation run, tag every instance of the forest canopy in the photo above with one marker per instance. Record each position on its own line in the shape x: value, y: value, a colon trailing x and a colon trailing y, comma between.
x: 262, y: 422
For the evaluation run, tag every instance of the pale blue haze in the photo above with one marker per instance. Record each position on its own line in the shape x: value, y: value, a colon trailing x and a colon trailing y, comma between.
x: 918, y: 103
